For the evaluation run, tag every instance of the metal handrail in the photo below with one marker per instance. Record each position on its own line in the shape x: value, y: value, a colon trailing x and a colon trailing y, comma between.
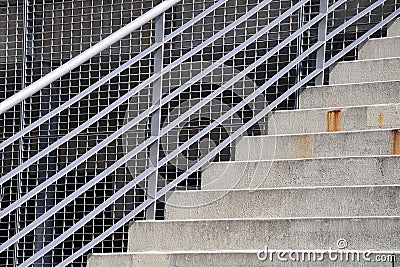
x: 151, y: 199
x: 86, y: 55
x: 109, y: 76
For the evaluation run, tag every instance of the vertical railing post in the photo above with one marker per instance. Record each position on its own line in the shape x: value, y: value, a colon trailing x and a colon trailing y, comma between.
x: 300, y: 42
x: 322, y: 32
x: 156, y: 115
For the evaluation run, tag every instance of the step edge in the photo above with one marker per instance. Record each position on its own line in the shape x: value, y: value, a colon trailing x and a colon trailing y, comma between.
x: 365, y: 60
x: 218, y: 251
x: 349, y: 84
x: 291, y: 188
x: 392, y: 217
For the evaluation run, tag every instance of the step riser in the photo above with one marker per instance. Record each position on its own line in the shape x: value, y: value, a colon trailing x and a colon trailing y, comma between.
x: 350, y: 95
x: 367, y: 233
x: 331, y: 120
x: 284, y: 203
x: 365, y: 71
x: 384, y: 142
x: 309, y: 172
x: 380, y: 48
x: 222, y: 259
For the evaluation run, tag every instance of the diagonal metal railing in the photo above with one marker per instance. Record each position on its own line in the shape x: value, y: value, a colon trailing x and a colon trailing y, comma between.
x: 152, y: 143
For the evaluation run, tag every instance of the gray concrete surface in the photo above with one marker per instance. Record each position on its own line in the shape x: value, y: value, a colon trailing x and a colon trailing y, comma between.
x: 126, y: 260
x: 315, y: 145
x: 243, y: 234
x: 380, y: 48
x: 394, y: 28
x: 334, y: 119
x: 360, y: 71
x: 285, y: 202
x: 350, y: 95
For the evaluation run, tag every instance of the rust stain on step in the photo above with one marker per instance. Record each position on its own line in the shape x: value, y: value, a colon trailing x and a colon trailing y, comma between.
x: 380, y: 120
x: 304, y: 146
x: 395, y: 142
x: 333, y: 120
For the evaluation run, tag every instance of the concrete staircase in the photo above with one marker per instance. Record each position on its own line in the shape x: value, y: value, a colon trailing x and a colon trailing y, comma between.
x: 327, y: 175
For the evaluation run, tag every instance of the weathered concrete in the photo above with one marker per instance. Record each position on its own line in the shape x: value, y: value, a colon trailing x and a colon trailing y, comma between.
x: 360, y: 71
x: 285, y: 202
x: 382, y: 170
x: 334, y: 119
x: 350, y: 95
x: 394, y: 28
x: 381, y: 233
x: 380, y: 48
x: 126, y: 260
x: 337, y: 144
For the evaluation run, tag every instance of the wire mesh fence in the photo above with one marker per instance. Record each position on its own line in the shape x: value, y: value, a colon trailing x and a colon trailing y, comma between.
x: 38, y: 36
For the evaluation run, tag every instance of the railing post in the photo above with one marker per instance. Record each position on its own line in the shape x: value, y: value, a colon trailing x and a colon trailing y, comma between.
x: 156, y: 115
x: 322, y: 32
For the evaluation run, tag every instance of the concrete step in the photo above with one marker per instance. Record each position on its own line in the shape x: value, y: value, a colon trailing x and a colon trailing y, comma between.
x: 361, y: 233
x: 380, y: 48
x: 245, y: 258
x: 360, y: 94
x: 348, y: 171
x: 334, y: 119
x: 394, y: 28
x: 316, y: 145
x: 360, y: 71
x: 285, y: 203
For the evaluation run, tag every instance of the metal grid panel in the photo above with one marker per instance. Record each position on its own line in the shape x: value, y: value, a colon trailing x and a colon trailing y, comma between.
x: 53, y: 31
